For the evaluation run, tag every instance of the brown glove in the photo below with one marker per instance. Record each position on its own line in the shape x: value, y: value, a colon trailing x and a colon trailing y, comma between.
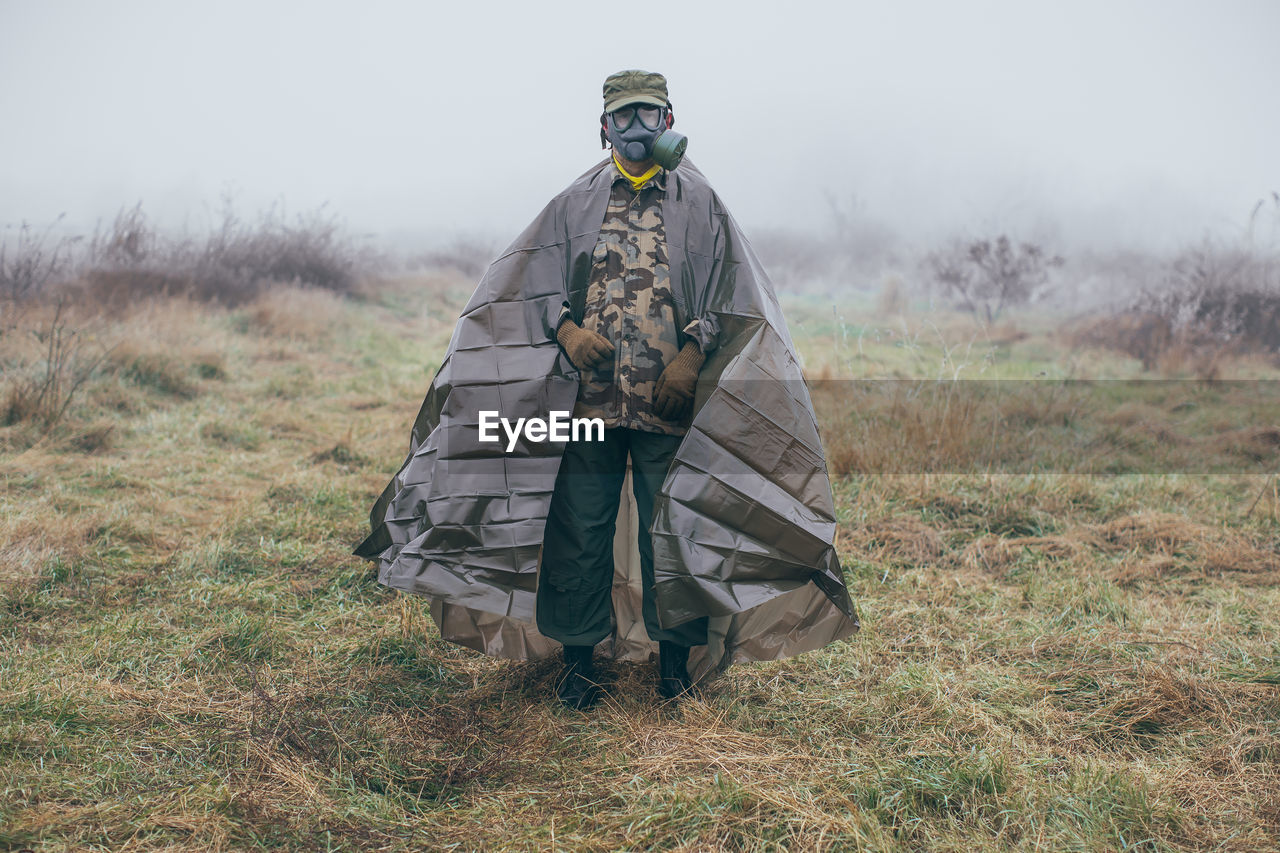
x: 675, y: 386
x: 586, y: 349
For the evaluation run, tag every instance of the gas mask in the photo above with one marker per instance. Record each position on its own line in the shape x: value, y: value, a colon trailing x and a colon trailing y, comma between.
x: 639, y: 131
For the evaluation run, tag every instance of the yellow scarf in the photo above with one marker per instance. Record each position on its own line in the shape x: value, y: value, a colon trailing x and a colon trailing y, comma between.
x: 636, y: 183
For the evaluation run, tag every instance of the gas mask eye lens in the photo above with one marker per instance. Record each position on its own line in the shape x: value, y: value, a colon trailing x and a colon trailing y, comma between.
x: 623, y: 117
x: 649, y: 116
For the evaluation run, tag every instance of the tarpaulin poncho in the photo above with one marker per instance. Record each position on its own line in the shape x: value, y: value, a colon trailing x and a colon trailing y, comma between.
x: 744, y: 522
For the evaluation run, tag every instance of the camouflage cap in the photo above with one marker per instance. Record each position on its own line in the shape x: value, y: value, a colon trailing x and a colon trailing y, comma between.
x: 634, y: 87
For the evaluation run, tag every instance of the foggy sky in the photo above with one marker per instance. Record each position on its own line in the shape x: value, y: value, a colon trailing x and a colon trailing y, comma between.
x: 1103, y: 122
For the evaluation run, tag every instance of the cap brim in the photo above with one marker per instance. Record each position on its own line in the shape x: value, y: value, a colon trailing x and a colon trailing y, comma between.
x: 634, y: 99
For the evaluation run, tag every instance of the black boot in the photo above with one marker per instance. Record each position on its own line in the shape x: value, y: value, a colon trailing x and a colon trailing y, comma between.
x: 673, y: 670
x: 577, y: 685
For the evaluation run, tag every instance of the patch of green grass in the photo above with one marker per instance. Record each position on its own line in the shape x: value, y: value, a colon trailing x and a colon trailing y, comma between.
x: 1102, y: 806
x: 239, y: 435
x: 917, y: 788
x: 221, y: 559
x: 291, y: 384
x: 243, y: 639
x: 159, y: 373
x: 211, y: 366
x: 37, y: 596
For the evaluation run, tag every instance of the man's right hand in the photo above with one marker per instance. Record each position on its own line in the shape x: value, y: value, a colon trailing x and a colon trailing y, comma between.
x: 586, y: 349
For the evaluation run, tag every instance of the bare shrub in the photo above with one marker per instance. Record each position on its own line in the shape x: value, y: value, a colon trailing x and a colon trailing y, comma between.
x: 1143, y: 336
x: 130, y: 241
x: 1228, y: 294
x: 1210, y: 302
x: 239, y: 260
x: 986, y: 276
x: 119, y: 291
x: 1153, y: 340
x: 32, y: 261
x: 43, y: 394
x: 131, y: 261
x: 233, y: 263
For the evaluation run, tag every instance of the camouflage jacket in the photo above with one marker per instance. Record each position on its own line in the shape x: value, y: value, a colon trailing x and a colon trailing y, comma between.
x: 630, y: 302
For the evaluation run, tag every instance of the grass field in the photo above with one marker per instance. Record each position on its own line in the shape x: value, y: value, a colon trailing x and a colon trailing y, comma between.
x: 191, y: 659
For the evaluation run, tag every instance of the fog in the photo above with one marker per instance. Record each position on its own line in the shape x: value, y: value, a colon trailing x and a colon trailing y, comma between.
x: 1096, y: 123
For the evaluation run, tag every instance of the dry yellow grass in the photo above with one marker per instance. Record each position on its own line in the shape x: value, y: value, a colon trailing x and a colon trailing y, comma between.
x: 190, y: 659
x: 293, y: 313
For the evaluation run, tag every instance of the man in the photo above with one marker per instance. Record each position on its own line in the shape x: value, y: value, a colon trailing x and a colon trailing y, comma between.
x: 639, y: 387
x: 632, y: 298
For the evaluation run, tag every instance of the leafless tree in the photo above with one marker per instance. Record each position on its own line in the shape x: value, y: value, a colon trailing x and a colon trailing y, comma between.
x: 986, y: 276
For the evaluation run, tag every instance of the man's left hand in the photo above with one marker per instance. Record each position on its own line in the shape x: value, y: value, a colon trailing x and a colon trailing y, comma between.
x: 674, y: 390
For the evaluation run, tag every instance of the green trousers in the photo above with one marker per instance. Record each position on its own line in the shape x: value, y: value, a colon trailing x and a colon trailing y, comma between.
x: 575, y: 583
